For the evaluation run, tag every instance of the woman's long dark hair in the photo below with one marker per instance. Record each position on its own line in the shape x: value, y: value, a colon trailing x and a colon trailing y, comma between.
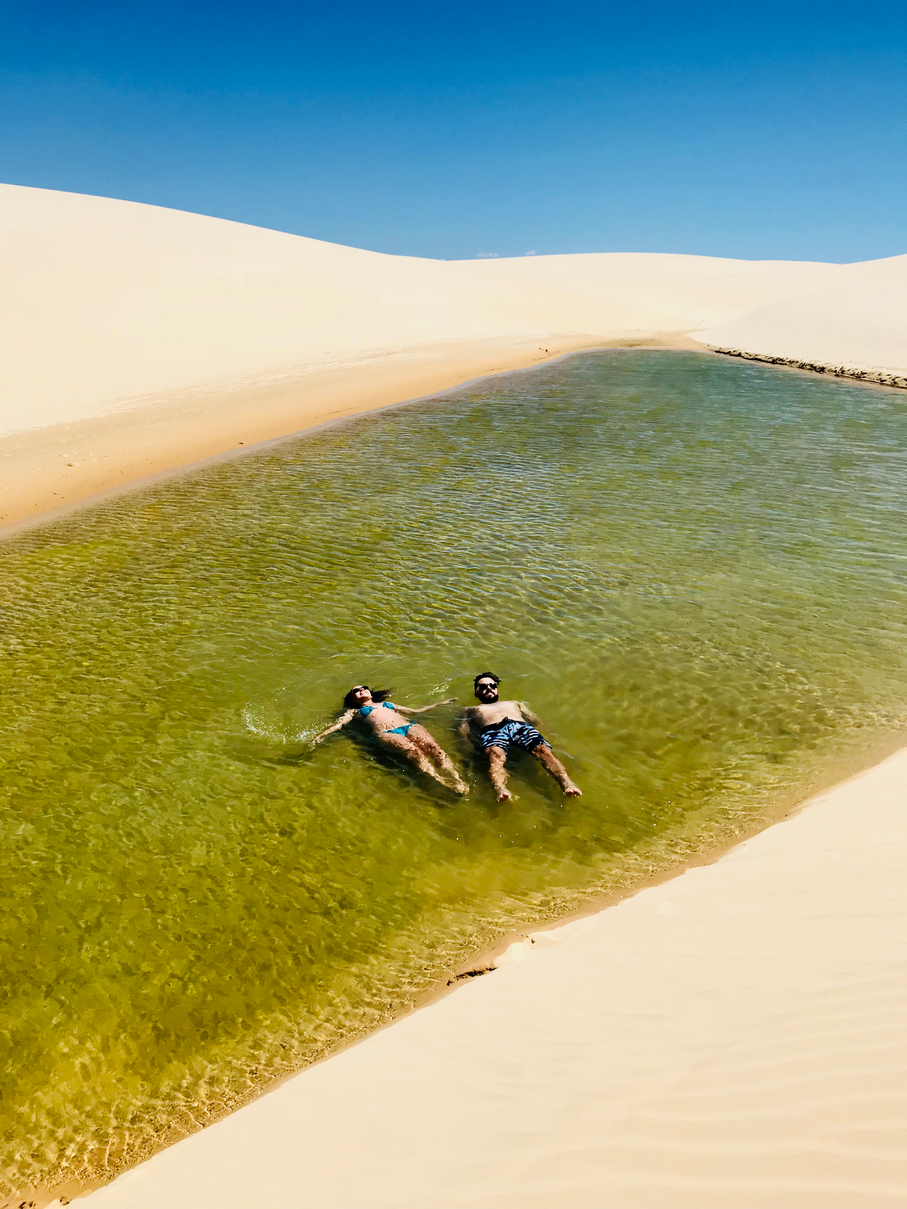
x: 378, y: 695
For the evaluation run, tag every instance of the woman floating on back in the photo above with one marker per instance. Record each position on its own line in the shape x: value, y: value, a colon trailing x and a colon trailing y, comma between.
x: 396, y: 733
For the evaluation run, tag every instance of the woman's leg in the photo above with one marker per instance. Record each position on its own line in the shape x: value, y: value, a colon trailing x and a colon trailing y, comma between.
x: 402, y: 745
x: 430, y: 747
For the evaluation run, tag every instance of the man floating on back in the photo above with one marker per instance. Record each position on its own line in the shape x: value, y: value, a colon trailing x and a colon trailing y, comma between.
x: 499, y: 726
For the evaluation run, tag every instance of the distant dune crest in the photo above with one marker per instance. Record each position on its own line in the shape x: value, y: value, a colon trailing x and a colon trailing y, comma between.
x: 139, y: 340
x: 109, y: 301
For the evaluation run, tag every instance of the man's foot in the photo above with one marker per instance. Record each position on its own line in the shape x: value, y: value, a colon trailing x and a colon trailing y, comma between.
x: 572, y: 791
x: 504, y: 795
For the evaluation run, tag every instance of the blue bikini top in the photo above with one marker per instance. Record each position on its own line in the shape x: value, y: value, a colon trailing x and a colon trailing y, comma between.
x: 365, y: 710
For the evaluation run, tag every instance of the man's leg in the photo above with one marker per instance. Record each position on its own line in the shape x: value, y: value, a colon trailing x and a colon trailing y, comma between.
x: 546, y: 756
x: 497, y: 758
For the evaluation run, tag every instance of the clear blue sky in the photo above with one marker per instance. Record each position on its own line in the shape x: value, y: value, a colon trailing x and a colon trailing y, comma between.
x: 460, y: 128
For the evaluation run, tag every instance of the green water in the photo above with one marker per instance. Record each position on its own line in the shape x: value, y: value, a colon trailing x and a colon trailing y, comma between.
x: 692, y: 568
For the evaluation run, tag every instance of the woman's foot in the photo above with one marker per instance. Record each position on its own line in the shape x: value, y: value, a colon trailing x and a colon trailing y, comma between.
x: 452, y: 778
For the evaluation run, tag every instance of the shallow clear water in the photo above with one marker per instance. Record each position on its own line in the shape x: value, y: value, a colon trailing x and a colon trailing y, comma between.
x: 692, y: 568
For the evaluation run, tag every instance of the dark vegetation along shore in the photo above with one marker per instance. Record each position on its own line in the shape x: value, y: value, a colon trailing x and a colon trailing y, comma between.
x: 877, y: 377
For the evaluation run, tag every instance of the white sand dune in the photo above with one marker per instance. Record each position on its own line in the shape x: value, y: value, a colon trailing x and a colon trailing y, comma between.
x: 138, y: 339
x: 732, y: 1039
x: 857, y: 321
x: 108, y: 301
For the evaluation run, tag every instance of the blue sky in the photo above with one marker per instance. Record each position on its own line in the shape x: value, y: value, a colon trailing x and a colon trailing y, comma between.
x: 756, y: 130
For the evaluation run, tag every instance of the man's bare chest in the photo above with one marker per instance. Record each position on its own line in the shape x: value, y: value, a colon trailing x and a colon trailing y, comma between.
x: 490, y: 715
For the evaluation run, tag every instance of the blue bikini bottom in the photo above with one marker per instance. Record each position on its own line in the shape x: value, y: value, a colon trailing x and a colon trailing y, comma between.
x: 399, y: 730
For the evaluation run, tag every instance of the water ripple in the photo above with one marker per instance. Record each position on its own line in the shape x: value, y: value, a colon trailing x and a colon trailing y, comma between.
x: 692, y: 569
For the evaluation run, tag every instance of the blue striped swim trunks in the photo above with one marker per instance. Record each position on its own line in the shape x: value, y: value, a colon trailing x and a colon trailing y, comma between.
x: 511, y: 733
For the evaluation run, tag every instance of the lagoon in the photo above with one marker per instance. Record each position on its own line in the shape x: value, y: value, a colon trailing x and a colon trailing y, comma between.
x: 692, y: 568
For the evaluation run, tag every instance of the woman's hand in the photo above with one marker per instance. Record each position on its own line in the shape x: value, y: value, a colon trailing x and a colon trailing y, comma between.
x: 346, y: 716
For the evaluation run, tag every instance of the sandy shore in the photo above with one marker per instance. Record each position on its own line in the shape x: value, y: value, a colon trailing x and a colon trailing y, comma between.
x: 51, y: 469
x: 139, y: 340
x: 731, y: 1038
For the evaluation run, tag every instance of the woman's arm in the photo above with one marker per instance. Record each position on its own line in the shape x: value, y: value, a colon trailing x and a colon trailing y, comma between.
x: 346, y: 716
x: 405, y: 709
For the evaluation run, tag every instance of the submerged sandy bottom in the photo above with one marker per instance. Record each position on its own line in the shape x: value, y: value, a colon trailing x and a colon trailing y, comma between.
x: 188, y: 868
x: 202, y: 903
x: 730, y: 1038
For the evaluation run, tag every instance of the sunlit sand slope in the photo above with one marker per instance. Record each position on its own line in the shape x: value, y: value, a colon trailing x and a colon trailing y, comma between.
x: 139, y: 340
x: 858, y: 322
x: 109, y: 301
x: 731, y: 1038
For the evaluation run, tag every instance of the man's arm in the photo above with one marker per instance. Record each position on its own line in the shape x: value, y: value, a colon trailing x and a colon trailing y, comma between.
x: 406, y: 709
x: 346, y: 716
x: 530, y: 715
